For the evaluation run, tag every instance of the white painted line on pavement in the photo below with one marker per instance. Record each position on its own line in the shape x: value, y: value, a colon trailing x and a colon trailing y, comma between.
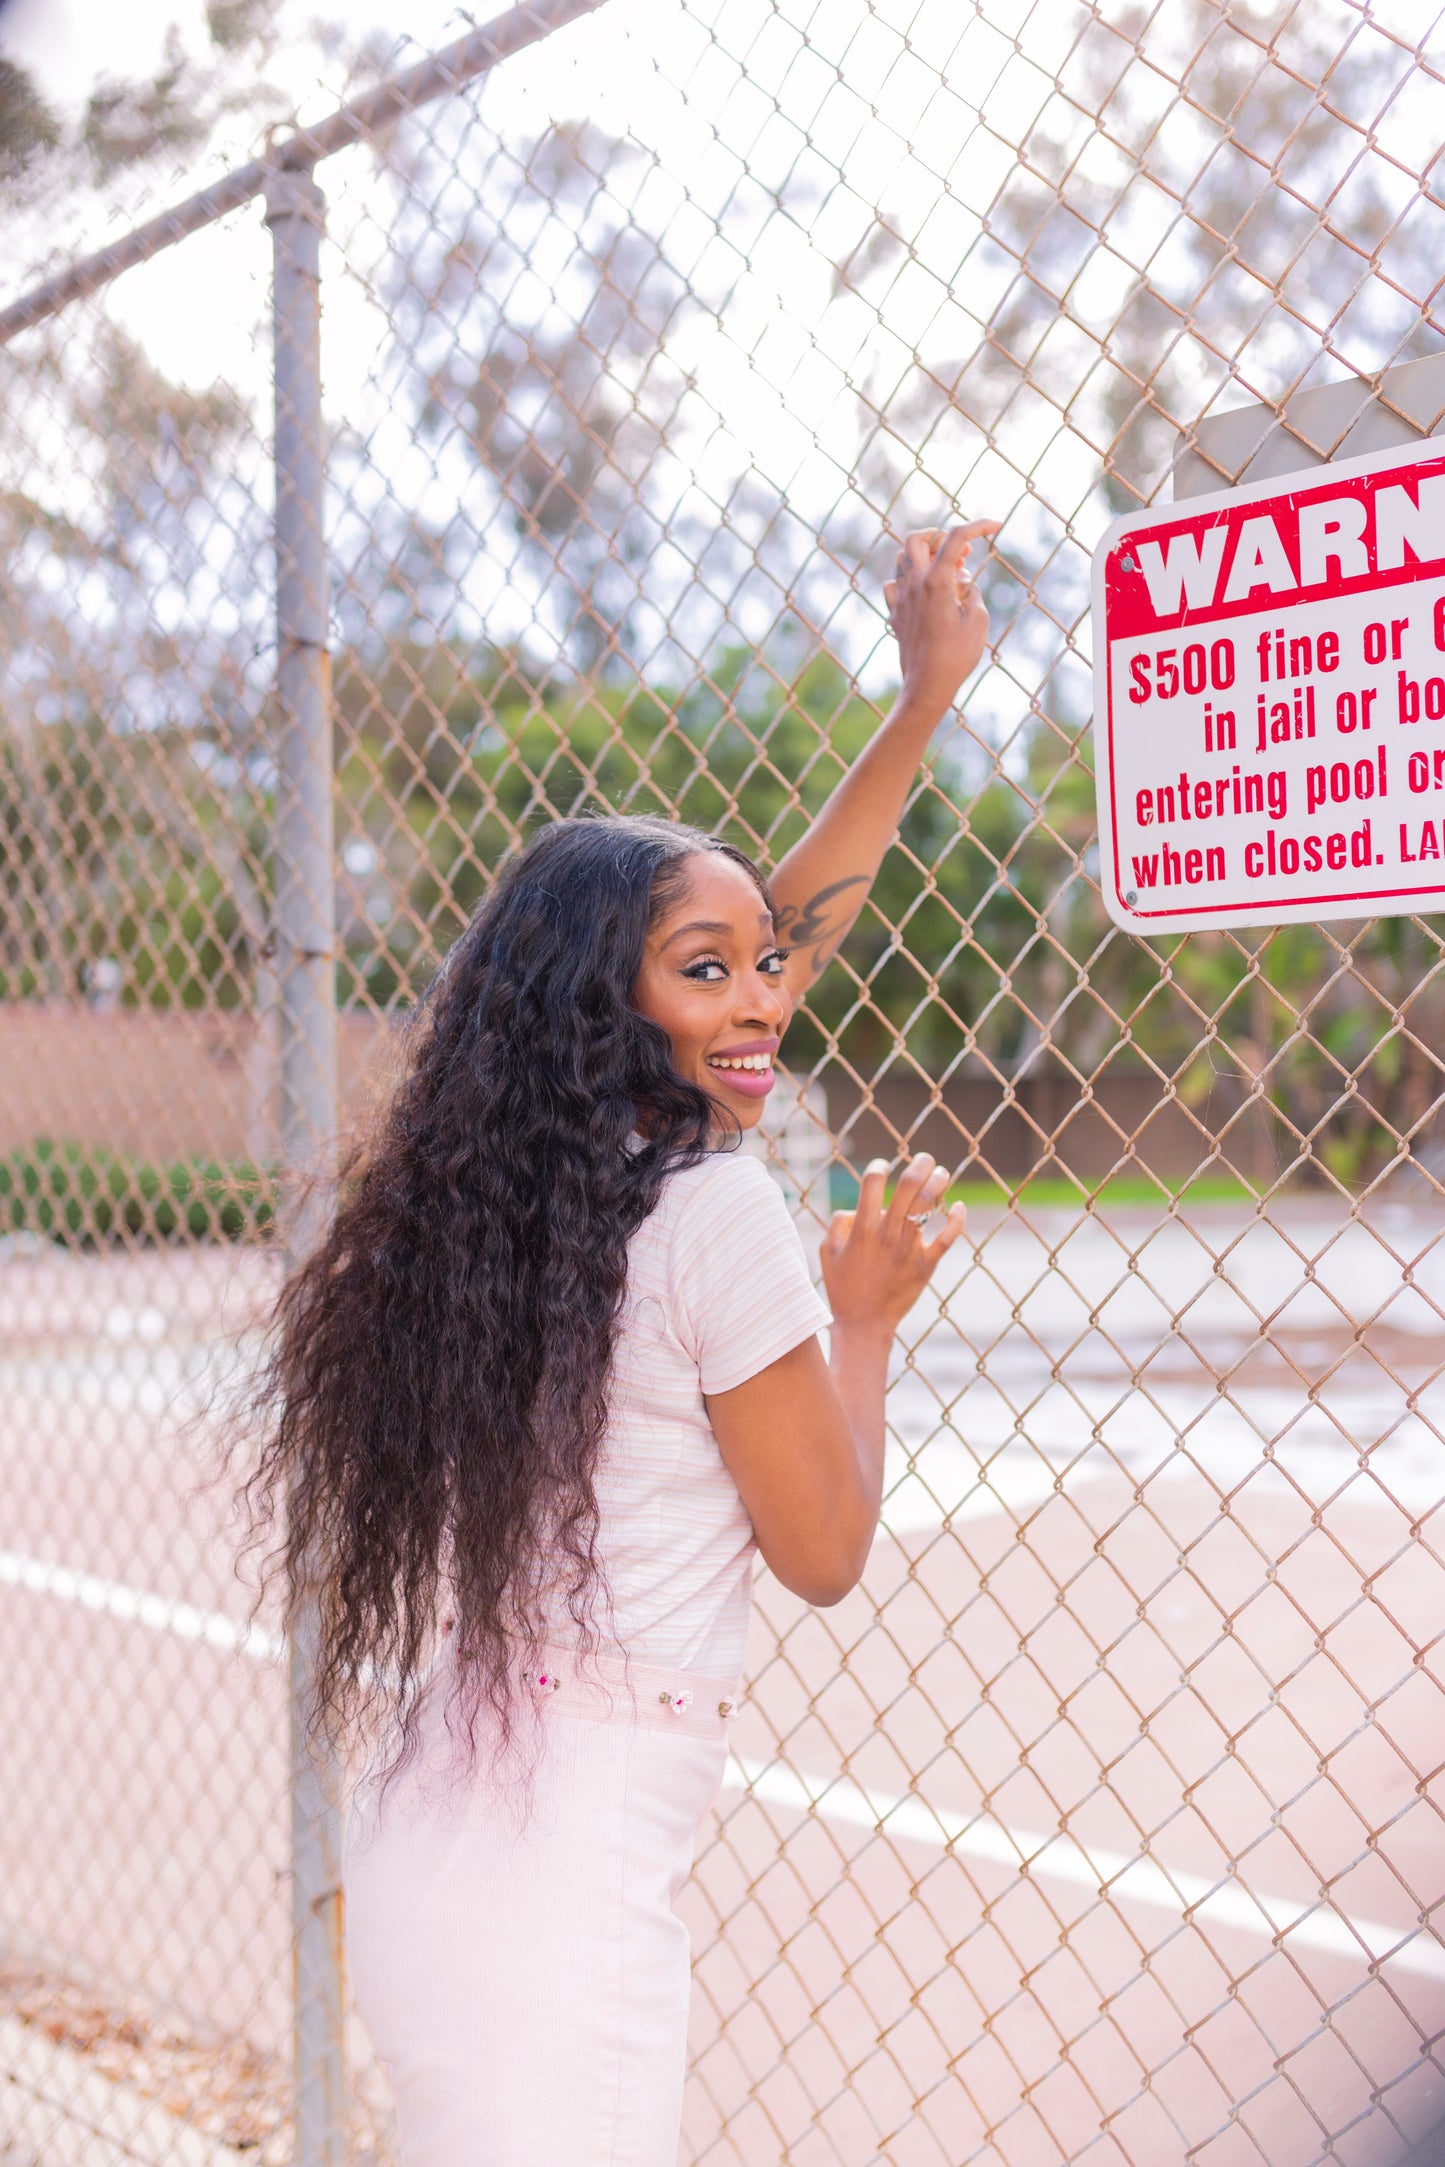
x: 136, y: 1607
x: 1113, y: 1875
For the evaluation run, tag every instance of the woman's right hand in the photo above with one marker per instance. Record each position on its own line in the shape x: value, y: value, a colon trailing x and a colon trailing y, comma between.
x: 875, y: 1260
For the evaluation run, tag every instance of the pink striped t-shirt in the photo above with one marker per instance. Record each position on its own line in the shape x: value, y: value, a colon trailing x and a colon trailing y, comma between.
x: 717, y: 1288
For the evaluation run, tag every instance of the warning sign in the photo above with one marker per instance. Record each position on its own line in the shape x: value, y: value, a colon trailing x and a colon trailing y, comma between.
x: 1270, y: 700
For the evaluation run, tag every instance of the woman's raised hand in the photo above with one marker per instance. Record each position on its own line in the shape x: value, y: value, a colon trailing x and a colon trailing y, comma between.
x: 937, y: 613
x: 876, y: 1262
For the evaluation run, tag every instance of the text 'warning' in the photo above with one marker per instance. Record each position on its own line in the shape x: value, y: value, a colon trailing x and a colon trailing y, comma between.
x: 1270, y: 700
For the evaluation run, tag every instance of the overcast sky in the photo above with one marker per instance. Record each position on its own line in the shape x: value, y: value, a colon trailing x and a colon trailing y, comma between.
x: 878, y: 94
x: 68, y: 43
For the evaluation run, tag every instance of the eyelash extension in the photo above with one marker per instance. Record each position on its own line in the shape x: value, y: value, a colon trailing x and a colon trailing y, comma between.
x: 700, y: 963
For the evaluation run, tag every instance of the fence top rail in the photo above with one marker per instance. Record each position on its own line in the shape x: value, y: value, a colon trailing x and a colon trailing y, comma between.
x: 449, y: 70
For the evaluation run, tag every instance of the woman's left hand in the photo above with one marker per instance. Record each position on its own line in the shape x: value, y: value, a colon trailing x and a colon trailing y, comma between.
x: 937, y: 614
x: 875, y: 1260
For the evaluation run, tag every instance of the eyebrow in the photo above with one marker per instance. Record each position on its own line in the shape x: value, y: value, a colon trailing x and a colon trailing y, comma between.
x: 720, y: 926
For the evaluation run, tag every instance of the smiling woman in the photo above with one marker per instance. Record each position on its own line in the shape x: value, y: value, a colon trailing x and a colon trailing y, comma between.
x: 714, y: 978
x: 550, y: 1383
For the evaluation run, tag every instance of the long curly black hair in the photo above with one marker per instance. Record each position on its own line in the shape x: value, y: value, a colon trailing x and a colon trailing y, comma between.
x: 436, y: 1393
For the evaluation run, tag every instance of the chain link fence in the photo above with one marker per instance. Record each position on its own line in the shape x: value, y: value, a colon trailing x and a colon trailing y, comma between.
x: 1102, y: 1821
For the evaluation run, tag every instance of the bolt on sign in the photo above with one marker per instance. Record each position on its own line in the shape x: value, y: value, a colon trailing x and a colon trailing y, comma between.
x: 1269, y: 713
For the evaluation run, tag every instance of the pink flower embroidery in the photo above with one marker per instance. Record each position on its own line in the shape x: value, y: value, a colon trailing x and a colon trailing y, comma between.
x: 679, y: 1702
x: 546, y: 1681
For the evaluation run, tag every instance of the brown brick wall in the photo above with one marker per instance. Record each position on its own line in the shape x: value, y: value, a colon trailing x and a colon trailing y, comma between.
x: 160, y: 1084
x: 167, y: 1084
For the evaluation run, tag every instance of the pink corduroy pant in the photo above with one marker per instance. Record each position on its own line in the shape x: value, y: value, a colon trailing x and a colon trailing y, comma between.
x: 521, y: 1967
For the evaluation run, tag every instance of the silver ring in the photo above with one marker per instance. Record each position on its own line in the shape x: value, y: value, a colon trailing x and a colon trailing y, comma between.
x: 919, y: 1218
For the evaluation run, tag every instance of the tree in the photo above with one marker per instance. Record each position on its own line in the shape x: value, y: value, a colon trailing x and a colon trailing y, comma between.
x: 132, y: 123
x: 537, y: 413
x: 538, y: 335
x: 1208, y: 204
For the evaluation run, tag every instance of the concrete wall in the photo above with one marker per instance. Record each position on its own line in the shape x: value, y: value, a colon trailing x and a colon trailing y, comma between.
x: 165, y: 1084
x: 160, y: 1084
x: 981, y: 1125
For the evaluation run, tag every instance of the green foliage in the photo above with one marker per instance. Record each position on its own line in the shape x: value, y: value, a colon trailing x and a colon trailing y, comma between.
x: 475, y: 761
x: 984, y: 947
x: 28, y: 128
x: 126, y: 860
x: 84, y: 1194
x: 127, y: 122
x: 984, y: 940
x: 984, y: 944
x: 240, y: 26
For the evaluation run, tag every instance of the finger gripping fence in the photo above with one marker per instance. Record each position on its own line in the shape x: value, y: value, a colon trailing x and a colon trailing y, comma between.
x: 1102, y: 1821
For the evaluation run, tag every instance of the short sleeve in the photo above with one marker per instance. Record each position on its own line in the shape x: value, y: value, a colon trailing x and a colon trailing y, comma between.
x: 738, y: 1275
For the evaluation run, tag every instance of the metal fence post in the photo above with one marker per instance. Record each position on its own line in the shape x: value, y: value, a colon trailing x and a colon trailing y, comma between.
x: 306, y: 936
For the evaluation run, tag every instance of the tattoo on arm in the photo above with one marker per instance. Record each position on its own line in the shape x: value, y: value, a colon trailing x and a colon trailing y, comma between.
x: 820, y: 923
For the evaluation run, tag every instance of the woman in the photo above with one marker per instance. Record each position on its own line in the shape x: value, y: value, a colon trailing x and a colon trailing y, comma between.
x: 551, y: 1379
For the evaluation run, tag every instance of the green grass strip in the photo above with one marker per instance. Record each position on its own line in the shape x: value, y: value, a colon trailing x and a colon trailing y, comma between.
x: 85, y: 1196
